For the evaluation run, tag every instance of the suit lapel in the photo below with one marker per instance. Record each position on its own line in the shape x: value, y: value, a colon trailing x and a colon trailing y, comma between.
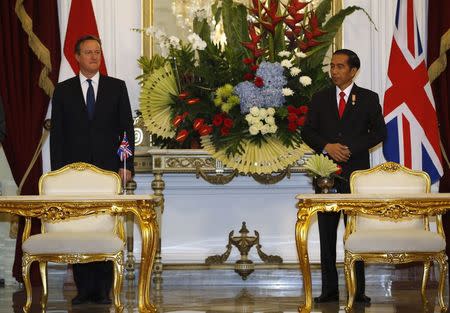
x: 333, y: 103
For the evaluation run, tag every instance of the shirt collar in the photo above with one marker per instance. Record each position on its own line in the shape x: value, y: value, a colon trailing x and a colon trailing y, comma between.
x: 346, y: 90
x: 94, y: 78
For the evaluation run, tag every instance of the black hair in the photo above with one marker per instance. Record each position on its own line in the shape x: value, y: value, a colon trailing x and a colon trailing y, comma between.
x: 353, y: 59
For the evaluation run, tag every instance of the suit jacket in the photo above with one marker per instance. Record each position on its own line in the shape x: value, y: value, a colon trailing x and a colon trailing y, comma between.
x: 361, y: 127
x: 2, y: 122
x: 75, y: 138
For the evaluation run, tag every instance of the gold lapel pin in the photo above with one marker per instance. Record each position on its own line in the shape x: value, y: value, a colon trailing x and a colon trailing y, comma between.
x: 353, y: 99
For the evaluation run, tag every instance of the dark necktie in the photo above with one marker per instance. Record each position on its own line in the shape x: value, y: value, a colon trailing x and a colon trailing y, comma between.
x: 341, y: 104
x: 90, y: 100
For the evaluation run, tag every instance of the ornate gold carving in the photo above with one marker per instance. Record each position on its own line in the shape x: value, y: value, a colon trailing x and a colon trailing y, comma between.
x: 269, y: 179
x: 244, y: 243
x: 390, y: 167
x: 189, y: 162
x: 216, y: 179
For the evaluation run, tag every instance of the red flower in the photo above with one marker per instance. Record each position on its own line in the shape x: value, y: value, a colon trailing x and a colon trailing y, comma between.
x: 182, y: 135
x: 184, y: 115
x: 301, y: 120
x: 303, y: 109
x: 217, y: 120
x: 247, y: 61
x: 249, y: 76
x: 177, y: 120
x: 224, y: 131
x: 205, y: 130
x: 254, y: 68
x: 339, y: 171
x: 292, y: 117
x: 292, y: 127
x: 228, y: 123
x: 198, y: 123
x: 183, y: 95
x: 291, y: 109
x: 193, y: 101
x: 259, y: 82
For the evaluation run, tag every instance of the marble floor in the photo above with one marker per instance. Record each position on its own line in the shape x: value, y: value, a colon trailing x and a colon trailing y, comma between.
x: 392, y: 289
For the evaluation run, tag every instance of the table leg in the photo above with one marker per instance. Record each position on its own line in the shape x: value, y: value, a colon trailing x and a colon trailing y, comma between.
x: 301, y: 240
x: 150, y: 235
x: 158, y: 186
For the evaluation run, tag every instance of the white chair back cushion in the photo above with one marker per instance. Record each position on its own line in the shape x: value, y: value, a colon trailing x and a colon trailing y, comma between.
x: 388, y: 182
x: 87, y: 181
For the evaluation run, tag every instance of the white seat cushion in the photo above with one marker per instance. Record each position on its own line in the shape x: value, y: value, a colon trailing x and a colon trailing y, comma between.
x: 394, y: 241
x: 73, y: 243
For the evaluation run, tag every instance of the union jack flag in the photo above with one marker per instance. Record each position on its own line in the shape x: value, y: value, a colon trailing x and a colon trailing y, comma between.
x: 409, y: 109
x: 124, y: 150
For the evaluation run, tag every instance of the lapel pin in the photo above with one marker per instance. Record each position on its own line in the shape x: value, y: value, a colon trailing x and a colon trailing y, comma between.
x: 353, y: 99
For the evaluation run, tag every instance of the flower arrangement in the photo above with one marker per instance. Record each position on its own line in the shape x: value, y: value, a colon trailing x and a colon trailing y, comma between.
x: 246, y: 99
x: 319, y: 165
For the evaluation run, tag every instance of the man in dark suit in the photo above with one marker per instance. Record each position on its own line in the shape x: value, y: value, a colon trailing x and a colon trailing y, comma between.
x: 343, y: 121
x: 90, y: 113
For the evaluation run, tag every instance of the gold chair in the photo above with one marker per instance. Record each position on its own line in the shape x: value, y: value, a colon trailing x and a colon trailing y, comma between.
x: 392, y: 239
x: 78, y: 240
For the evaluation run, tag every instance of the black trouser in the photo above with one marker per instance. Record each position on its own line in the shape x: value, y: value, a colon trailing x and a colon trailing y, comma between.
x: 94, y: 280
x: 328, y: 224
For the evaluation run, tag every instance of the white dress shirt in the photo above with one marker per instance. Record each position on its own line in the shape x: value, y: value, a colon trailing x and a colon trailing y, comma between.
x: 85, y: 85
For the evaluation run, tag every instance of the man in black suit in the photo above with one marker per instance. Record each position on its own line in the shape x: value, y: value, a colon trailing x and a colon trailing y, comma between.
x: 90, y: 113
x: 343, y: 121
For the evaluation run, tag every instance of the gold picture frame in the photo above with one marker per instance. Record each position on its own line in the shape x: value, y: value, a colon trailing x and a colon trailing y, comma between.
x: 147, y: 20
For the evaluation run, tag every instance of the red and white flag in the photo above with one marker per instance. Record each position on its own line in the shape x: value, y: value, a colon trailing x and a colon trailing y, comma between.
x: 409, y: 109
x: 81, y: 22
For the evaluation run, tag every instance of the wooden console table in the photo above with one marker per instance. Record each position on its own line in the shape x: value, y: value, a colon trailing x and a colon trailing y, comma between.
x: 377, y: 205
x: 63, y: 207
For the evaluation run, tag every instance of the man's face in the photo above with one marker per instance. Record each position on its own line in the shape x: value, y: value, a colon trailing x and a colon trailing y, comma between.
x: 90, y: 57
x: 340, y: 71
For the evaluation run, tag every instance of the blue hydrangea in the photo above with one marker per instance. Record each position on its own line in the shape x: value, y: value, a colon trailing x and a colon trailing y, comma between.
x: 270, y: 95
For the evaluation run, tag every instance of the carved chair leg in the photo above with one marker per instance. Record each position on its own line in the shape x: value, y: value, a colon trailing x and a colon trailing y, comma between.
x: 26, y: 263
x: 43, y: 270
x: 426, y: 275
x: 443, y: 268
x: 350, y: 277
x: 118, y: 276
x: 349, y: 269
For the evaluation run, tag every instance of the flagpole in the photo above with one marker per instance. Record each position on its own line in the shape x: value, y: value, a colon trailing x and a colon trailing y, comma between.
x: 124, y: 169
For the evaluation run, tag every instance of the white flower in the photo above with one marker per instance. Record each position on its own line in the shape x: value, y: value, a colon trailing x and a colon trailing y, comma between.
x: 286, y: 63
x: 270, y: 111
x: 253, y: 130
x: 249, y: 118
x: 300, y: 54
x: 254, y: 111
x: 295, y: 71
x: 305, y: 80
x: 287, y: 92
x: 273, y: 128
x: 174, y: 42
x: 196, y: 41
x: 265, y: 129
x: 262, y: 113
x: 284, y: 53
x: 270, y: 120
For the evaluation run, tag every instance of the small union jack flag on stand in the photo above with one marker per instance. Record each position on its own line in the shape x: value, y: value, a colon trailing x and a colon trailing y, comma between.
x: 124, y: 150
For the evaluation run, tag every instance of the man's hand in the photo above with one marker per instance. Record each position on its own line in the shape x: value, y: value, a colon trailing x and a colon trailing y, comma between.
x: 125, y: 175
x: 338, y: 152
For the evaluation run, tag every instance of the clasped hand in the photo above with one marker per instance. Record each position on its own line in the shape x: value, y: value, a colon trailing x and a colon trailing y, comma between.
x: 338, y: 152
